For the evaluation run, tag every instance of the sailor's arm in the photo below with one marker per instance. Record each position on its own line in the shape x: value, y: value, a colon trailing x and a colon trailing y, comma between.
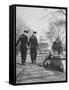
x: 18, y: 41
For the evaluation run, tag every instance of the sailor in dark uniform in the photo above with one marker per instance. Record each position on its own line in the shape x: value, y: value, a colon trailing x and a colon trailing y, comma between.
x: 23, y: 47
x: 33, y: 47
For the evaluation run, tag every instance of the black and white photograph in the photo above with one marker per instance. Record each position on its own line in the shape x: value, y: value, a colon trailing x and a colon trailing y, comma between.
x: 41, y: 44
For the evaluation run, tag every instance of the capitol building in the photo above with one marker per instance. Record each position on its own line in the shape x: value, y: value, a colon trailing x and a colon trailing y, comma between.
x: 44, y: 44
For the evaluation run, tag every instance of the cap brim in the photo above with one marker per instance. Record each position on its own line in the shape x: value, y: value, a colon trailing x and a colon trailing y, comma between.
x: 26, y: 31
x: 35, y: 32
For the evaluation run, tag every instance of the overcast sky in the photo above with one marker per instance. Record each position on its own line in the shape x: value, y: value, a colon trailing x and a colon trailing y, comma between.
x: 33, y: 18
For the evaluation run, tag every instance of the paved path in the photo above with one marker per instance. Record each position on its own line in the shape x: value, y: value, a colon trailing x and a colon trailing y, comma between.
x: 34, y: 73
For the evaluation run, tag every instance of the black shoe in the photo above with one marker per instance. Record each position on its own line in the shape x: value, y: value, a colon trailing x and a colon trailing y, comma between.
x: 34, y: 62
x: 23, y: 63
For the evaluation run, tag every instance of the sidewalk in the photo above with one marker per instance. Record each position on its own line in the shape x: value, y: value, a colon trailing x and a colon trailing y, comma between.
x: 33, y: 73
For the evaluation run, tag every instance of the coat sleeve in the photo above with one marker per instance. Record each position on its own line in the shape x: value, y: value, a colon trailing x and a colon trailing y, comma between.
x: 29, y: 42
x: 18, y: 41
x: 36, y: 42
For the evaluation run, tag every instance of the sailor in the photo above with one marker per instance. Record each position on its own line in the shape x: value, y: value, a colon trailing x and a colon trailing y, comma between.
x: 23, y: 47
x: 33, y: 43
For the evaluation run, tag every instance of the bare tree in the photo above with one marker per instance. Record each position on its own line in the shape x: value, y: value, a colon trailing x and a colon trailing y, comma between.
x: 51, y: 33
x: 56, y: 20
x: 62, y: 11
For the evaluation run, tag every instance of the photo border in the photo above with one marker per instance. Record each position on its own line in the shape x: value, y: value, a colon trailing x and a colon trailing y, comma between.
x: 39, y: 6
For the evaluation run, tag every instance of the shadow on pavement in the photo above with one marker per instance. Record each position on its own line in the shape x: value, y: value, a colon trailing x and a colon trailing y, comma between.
x: 47, y: 67
x: 25, y: 64
x: 51, y: 67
